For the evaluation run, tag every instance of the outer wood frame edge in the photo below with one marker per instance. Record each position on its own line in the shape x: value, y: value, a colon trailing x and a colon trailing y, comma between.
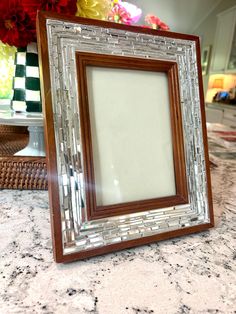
x: 133, y: 243
x: 45, y: 85
x: 51, y: 148
x: 204, y: 132
x: 44, y: 15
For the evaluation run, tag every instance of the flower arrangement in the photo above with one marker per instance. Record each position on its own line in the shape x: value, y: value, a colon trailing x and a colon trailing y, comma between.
x: 18, y: 17
x: 18, y: 25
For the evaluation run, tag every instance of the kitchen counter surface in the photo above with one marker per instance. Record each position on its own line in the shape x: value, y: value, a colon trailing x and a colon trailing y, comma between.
x: 190, y: 274
x: 220, y: 106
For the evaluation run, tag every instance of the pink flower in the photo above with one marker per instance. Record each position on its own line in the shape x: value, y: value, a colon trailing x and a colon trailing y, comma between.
x: 124, y: 12
x: 119, y: 14
x: 134, y: 11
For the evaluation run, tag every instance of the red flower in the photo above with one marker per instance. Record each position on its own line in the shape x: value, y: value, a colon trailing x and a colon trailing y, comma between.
x: 17, y: 18
x: 31, y: 7
x: 59, y: 6
x: 16, y: 26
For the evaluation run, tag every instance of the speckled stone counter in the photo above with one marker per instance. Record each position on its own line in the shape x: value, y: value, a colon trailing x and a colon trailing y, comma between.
x: 191, y: 274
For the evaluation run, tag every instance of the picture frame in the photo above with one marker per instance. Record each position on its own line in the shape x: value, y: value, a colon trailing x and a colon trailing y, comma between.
x: 205, y: 61
x: 125, y: 135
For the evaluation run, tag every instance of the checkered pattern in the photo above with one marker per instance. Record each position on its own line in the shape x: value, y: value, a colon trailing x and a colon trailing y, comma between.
x: 26, y: 84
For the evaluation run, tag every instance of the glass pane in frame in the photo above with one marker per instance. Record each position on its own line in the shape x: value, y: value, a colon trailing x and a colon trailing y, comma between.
x: 152, y: 78
x: 131, y: 135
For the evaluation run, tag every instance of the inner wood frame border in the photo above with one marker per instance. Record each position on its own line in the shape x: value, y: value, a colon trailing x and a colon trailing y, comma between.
x: 83, y: 60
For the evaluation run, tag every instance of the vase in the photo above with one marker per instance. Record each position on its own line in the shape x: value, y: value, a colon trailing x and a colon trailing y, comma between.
x: 26, y: 82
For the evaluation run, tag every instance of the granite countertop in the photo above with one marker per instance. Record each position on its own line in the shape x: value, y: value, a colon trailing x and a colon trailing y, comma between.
x: 218, y: 105
x: 190, y: 274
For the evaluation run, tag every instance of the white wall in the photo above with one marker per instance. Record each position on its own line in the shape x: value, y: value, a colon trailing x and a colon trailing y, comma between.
x: 206, y: 30
x: 181, y: 15
x: 185, y: 16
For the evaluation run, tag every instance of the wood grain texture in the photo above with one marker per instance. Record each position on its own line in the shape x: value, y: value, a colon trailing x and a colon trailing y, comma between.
x: 170, y: 69
x: 204, y: 132
x: 132, y: 243
x: 45, y: 85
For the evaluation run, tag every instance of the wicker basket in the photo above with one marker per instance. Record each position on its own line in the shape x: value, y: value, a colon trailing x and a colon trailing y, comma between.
x: 16, y: 172
x: 25, y: 173
x: 6, y: 129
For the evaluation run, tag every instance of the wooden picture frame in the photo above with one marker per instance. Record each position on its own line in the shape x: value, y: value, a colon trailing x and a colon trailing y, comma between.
x: 72, y: 48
